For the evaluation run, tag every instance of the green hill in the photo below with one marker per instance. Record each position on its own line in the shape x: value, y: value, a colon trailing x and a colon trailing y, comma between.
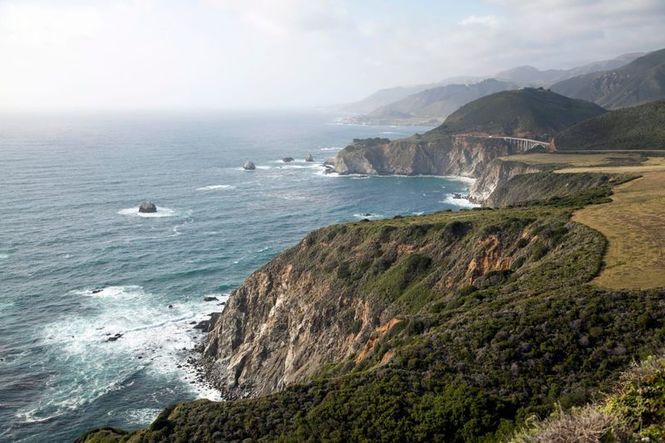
x: 639, y: 127
x: 528, y: 112
x: 640, y: 81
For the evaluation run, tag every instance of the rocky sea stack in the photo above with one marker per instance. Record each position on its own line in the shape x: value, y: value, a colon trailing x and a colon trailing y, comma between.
x: 249, y: 166
x: 147, y: 207
x: 309, y: 158
x: 287, y: 159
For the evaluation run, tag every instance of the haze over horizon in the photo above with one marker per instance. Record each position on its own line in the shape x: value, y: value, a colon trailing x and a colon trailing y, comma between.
x: 233, y: 54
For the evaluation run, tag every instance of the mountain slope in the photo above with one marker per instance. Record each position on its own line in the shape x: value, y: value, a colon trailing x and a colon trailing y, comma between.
x: 530, y: 76
x: 386, y: 96
x: 640, y: 81
x: 438, y: 103
x: 638, y: 127
x: 521, y: 76
x: 527, y: 112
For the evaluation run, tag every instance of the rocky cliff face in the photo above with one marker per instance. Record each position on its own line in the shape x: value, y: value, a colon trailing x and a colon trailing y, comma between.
x: 443, y: 155
x: 332, y: 297
x: 498, y: 172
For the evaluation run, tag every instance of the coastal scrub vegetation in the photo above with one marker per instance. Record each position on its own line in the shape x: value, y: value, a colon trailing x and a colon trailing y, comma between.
x: 639, y: 127
x: 633, y: 411
x: 491, y: 321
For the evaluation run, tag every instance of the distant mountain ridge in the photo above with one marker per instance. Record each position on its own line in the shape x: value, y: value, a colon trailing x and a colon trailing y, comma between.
x: 437, y: 103
x: 386, y: 96
x: 530, y: 76
x: 432, y: 103
x: 640, y: 81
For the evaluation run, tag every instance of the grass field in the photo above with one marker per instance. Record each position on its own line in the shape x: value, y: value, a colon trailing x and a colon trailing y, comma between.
x: 582, y: 159
x: 634, y: 222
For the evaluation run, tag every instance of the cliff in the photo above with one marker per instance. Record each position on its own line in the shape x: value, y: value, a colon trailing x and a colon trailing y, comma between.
x: 454, y: 326
x: 498, y: 172
x: 422, y: 155
x: 451, y: 149
x: 554, y: 188
x: 332, y: 297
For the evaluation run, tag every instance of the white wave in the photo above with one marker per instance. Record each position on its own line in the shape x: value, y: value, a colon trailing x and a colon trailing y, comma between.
x: 141, y: 417
x: 369, y: 216
x: 460, y: 178
x: 291, y: 196
x: 215, y: 187
x: 111, y: 292
x: 263, y: 167
x: 4, y: 256
x: 461, y: 202
x: 321, y: 170
x: 331, y: 148
x: 119, y: 331
x: 161, y: 212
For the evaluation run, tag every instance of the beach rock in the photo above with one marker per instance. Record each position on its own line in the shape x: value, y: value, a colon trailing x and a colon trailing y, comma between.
x: 147, y: 207
x: 115, y: 337
x: 287, y: 159
x: 309, y: 158
x: 249, y: 166
x: 210, y: 298
x: 203, y: 325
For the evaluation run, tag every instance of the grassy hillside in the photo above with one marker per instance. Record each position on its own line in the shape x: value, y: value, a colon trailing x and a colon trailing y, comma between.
x: 526, y: 112
x: 641, y: 81
x: 487, y: 320
x: 639, y: 127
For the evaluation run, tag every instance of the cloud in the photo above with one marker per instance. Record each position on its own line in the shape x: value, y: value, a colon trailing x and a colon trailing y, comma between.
x: 276, y: 53
x: 285, y: 17
x: 485, y: 20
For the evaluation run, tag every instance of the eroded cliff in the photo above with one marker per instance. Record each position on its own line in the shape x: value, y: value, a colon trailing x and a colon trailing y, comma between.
x: 334, y: 296
x: 422, y: 155
x: 495, y: 174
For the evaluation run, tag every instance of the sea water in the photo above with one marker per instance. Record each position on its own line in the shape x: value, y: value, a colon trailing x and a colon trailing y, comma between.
x: 98, y: 302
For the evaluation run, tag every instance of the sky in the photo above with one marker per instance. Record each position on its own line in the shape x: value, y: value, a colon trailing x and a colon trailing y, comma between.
x: 272, y: 54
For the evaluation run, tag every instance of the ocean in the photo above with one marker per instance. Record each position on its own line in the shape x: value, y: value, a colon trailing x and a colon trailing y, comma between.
x: 98, y: 303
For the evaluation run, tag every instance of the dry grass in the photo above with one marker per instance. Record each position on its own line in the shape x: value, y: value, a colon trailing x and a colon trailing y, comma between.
x: 618, y: 417
x: 652, y: 164
x: 579, y: 160
x: 585, y: 425
x: 634, y: 224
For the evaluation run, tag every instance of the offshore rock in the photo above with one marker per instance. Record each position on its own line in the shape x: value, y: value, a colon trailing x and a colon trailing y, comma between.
x: 147, y: 207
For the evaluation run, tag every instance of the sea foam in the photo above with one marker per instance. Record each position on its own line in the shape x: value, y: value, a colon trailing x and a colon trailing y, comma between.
x: 161, y: 212
x: 119, y: 332
x: 215, y: 188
